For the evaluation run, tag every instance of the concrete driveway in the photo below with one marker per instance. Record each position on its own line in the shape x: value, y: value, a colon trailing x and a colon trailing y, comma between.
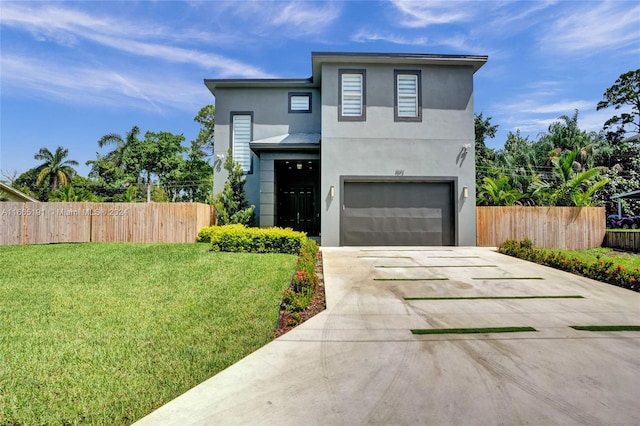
x: 359, y: 363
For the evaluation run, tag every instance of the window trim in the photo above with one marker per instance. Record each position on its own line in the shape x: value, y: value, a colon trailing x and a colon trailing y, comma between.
x: 231, y: 138
x: 418, y: 75
x: 300, y: 111
x: 363, y: 115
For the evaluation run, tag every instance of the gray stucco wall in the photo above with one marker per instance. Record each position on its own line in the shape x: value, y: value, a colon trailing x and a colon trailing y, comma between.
x: 271, y: 117
x: 381, y: 147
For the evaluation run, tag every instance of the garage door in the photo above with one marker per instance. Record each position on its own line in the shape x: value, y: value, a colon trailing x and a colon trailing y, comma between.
x: 398, y: 213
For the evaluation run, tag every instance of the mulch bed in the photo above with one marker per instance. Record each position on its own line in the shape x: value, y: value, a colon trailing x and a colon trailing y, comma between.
x: 317, y: 305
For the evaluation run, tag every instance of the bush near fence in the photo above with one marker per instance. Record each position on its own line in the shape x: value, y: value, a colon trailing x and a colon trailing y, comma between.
x: 45, y: 223
x: 600, y: 270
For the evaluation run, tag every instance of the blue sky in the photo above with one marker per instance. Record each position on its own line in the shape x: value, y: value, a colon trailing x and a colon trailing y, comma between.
x: 74, y: 71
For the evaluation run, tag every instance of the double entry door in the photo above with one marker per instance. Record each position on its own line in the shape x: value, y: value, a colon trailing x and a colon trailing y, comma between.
x: 298, y: 204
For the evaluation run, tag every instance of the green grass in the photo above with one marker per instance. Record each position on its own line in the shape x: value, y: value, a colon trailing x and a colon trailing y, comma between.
x: 412, y: 279
x: 434, y: 266
x: 495, y: 297
x: 606, y: 327
x: 626, y: 259
x: 106, y: 333
x: 471, y: 330
x: 507, y: 278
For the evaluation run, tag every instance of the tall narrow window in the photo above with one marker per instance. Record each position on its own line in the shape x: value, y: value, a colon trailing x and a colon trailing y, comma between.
x: 408, y: 102
x: 352, y: 95
x: 241, y: 136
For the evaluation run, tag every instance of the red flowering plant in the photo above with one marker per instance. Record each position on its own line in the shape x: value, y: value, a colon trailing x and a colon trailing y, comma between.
x: 600, y: 270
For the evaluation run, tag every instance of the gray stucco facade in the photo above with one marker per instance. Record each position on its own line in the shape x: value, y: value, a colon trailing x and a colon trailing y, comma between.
x: 378, y: 147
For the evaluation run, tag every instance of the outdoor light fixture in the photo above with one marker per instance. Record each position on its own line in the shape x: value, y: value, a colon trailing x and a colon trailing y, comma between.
x: 220, y: 156
x: 299, y: 166
x: 466, y: 147
x: 332, y: 191
x: 465, y: 192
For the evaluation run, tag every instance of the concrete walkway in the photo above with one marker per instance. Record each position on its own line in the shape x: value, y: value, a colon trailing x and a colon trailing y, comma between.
x: 358, y: 363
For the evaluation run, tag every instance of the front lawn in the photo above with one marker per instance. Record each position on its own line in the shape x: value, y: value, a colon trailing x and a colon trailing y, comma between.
x: 105, y: 333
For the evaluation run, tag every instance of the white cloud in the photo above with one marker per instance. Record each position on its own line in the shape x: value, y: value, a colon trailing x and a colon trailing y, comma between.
x: 587, y: 29
x: 100, y: 86
x: 421, y: 14
x: 366, y: 36
x: 303, y: 18
x: 68, y: 27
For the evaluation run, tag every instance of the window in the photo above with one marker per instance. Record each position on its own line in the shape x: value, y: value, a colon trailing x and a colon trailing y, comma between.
x: 352, y: 95
x: 299, y: 102
x: 240, y: 138
x: 408, y: 102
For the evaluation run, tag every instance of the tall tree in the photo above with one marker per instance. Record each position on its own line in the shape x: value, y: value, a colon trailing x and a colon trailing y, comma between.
x: 159, y: 154
x: 484, y: 156
x: 207, y: 119
x: 624, y: 92
x: 112, y: 166
x: 56, y: 170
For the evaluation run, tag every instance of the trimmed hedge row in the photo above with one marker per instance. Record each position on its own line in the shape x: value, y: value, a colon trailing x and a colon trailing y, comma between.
x: 600, y: 270
x: 238, y: 238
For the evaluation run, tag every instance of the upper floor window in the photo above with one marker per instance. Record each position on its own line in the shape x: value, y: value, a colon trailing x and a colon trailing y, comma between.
x: 352, y: 95
x: 240, y: 138
x: 408, y: 101
x: 299, y: 102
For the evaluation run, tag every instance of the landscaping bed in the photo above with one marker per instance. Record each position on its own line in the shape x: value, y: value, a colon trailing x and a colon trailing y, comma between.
x: 622, y: 270
x: 287, y: 322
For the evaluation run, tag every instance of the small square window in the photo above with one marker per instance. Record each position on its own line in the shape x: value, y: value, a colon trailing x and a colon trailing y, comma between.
x: 299, y: 102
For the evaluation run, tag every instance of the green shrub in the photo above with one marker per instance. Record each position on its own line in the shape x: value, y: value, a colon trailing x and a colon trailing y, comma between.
x: 238, y: 238
x: 600, y: 270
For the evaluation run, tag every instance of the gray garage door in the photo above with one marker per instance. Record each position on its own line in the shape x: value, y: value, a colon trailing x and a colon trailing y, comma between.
x: 398, y: 213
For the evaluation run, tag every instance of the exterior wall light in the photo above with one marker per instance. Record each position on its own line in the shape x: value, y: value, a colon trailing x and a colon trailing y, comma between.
x: 332, y: 191
x: 465, y: 192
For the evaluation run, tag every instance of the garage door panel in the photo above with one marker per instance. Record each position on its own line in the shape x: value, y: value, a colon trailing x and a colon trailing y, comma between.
x: 397, y: 213
x: 410, y: 238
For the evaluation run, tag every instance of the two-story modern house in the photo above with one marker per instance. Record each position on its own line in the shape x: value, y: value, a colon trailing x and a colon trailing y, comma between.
x: 373, y: 149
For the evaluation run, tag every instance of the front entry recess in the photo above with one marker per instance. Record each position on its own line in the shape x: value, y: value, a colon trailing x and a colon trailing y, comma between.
x: 298, y: 204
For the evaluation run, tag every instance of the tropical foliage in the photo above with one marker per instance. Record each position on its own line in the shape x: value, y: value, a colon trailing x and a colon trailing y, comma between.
x: 566, y: 165
x: 153, y: 167
x: 55, y: 170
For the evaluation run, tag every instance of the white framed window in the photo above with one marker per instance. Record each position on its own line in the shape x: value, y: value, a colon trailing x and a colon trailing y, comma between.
x: 352, y: 95
x: 408, y: 100
x: 240, y: 138
x: 299, y: 102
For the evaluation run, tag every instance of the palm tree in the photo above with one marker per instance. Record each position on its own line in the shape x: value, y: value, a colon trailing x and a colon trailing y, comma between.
x: 498, y: 192
x: 118, y: 156
x: 572, y: 186
x: 55, y: 171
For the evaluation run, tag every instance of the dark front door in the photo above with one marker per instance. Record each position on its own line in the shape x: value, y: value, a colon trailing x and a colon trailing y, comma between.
x: 295, y: 208
x: 298, y: 204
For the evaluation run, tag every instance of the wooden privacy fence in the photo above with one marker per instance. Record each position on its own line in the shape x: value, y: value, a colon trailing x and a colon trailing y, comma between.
x: 44, y: 223
x: 623, y: 240
x: 573, y: 228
